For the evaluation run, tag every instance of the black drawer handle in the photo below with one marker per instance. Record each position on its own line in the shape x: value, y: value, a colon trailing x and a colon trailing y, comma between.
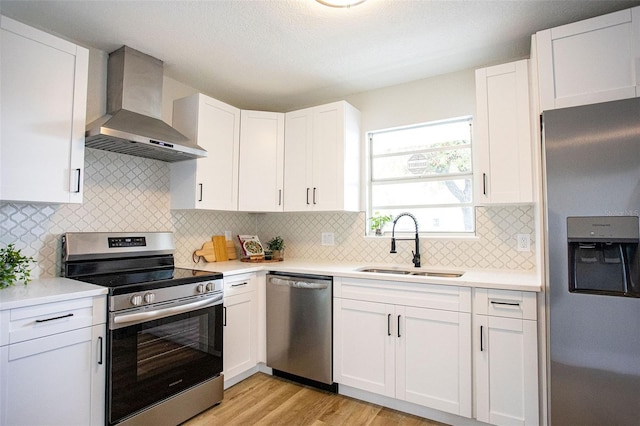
x: 493, y: 302
x: 55, y: 318
x: 389, y: 325
x: 224, y: 320
x: 399, y: 326
x: 481, y: 338
x: 100, y: 360
x: 239, y: 285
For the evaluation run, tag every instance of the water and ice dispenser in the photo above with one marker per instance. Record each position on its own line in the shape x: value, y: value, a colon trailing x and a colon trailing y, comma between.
x: 603, y: 255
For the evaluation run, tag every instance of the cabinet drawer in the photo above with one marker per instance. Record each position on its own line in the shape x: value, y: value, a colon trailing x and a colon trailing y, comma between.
x: 505, y: 303
x: 36, y: 321
x: 238, y: 284
x: 445, y: 297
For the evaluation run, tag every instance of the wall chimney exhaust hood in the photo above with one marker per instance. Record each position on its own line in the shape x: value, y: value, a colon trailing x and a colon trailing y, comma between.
x: 133, y: 124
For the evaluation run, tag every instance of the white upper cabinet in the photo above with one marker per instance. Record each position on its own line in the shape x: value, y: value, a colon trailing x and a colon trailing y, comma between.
x: 261, y: 161
x: 590, y: 61
x: 503, y: 159
x: 322, y: 158
x: 209, y: 183
x: 42, y: 110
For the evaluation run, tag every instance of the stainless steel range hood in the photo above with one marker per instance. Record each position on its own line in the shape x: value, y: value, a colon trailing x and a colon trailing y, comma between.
x: 133, y: 124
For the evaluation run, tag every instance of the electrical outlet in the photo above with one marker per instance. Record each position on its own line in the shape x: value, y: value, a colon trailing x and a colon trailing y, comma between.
x: 227, y: 235
x: 328, y: 239
x: 524, y: 242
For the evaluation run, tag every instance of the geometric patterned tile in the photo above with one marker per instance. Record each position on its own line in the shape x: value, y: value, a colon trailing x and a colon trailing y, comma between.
x: 125, y: 193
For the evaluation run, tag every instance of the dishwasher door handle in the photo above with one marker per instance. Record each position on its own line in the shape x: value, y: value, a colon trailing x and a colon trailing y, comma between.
x: 305, y: 285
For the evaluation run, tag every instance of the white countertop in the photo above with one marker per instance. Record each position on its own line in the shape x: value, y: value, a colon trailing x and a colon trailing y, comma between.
x: 482, y: 278
x: 46, y: 290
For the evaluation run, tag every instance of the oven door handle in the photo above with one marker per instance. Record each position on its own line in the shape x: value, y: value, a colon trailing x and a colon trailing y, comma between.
x: 166, y: 312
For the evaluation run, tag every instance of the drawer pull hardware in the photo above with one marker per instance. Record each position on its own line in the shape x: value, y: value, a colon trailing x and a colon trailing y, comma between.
x: 314, y: 195
x: 308, y: 196
x: 493, y: 302
x: 481, y: 338
x: 55, y: 318
x: 484, y: 184
x: 100, y: 349
x: 78, y: 171
x: 239, y: 284
x: 200, y: 185
x: 399, y: 326
x: 389, y: 325
x: 279, y: 197
x: 224, y: 320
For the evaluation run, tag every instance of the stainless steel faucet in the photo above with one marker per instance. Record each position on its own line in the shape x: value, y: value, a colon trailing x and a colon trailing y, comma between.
x: 416, y: 253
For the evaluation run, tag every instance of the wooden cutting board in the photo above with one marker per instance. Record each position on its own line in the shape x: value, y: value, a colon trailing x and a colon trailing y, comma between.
x: 207, y: 251
x: 220, y: 248
x: 231, y: 250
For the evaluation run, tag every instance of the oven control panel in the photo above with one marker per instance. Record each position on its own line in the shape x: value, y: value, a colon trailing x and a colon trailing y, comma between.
x: 127, y: 242
x: 165, y: 294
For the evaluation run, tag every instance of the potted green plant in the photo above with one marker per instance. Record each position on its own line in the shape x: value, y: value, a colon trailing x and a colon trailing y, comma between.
x: 378, y: 221
x: 14, y: 266
x: 276, y: 245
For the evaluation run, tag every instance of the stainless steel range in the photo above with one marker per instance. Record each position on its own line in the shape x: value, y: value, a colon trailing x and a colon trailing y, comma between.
x: 164, y: 337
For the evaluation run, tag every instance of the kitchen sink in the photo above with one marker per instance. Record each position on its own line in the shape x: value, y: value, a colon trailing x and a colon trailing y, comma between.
x: 439, y: 274
x: 386, y: 271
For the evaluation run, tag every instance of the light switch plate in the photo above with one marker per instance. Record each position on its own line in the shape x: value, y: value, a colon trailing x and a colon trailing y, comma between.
x: 328, y: 239
x: 524, y: 242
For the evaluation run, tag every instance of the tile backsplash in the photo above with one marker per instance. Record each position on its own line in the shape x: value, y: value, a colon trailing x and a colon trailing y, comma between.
x: 125, y: 193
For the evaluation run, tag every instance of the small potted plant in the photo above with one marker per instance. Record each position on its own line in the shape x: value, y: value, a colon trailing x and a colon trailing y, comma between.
x: 378, y: 221
x: 276, y: 245
x: 14, y: 266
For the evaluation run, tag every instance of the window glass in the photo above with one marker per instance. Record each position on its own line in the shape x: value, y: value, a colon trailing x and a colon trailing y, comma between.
x: 425, y: 170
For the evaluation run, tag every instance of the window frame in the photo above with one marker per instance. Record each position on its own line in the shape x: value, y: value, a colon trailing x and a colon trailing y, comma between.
x: 369, y: 210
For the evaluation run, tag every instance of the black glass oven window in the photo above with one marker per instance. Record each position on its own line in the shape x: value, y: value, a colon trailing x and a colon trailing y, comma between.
x: 160, y: 358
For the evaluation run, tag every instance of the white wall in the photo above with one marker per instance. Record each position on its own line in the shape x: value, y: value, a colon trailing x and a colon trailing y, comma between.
x: 436, y: 98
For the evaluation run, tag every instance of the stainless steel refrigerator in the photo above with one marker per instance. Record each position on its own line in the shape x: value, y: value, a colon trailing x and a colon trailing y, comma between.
x: 592, y: 186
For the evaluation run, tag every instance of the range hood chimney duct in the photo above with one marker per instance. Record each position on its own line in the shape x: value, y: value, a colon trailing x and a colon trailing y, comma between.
x: 133, y: 124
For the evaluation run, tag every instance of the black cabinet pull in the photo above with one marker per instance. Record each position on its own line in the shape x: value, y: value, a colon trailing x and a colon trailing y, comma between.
x: 493, y: 302
x: 389, y: 325
x: 279, y: 197
x: 484, y: 184
x: 224, y: 320
x: 314, y: 195
x: 55, y: 318
x: 200, y: 185
x: 399, y: 326
x: 78, y: 171
x: 100, y: 349
x: 308, y: 195
x: 239, y: 285
x: 481, y: 338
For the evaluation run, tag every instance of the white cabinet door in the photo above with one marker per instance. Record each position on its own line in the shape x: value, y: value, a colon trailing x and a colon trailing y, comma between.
x: 322, y: 158
x: 298, y: 161
x: 590, y: 61
x: 506, y: 370
x: 42, y: 110
x: 240, y: 333
x: 54, y: 380
x: 209, y: 183
x: 363, y: 344
x: 261, y: 161
x: 433, y: 359
x: 504, y: 165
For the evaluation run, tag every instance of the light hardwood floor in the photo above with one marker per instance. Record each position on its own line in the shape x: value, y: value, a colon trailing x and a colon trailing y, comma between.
x: 266, y: 400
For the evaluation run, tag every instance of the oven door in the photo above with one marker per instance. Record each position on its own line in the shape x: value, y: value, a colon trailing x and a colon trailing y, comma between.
x: 157, y: 352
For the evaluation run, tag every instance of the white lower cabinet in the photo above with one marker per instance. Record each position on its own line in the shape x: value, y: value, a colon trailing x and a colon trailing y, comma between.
x: 53, y: 369
x: 240, y: 325
x: 505, y: 355
x: 411, y: 353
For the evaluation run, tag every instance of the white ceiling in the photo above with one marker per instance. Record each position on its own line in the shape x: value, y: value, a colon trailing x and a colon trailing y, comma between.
x: 282, y: 55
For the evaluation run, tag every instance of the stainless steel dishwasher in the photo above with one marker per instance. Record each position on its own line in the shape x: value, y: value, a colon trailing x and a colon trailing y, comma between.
x: 299, y: 328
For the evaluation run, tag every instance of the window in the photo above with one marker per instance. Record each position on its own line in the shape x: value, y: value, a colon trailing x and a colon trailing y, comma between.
x: 425, y: 170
